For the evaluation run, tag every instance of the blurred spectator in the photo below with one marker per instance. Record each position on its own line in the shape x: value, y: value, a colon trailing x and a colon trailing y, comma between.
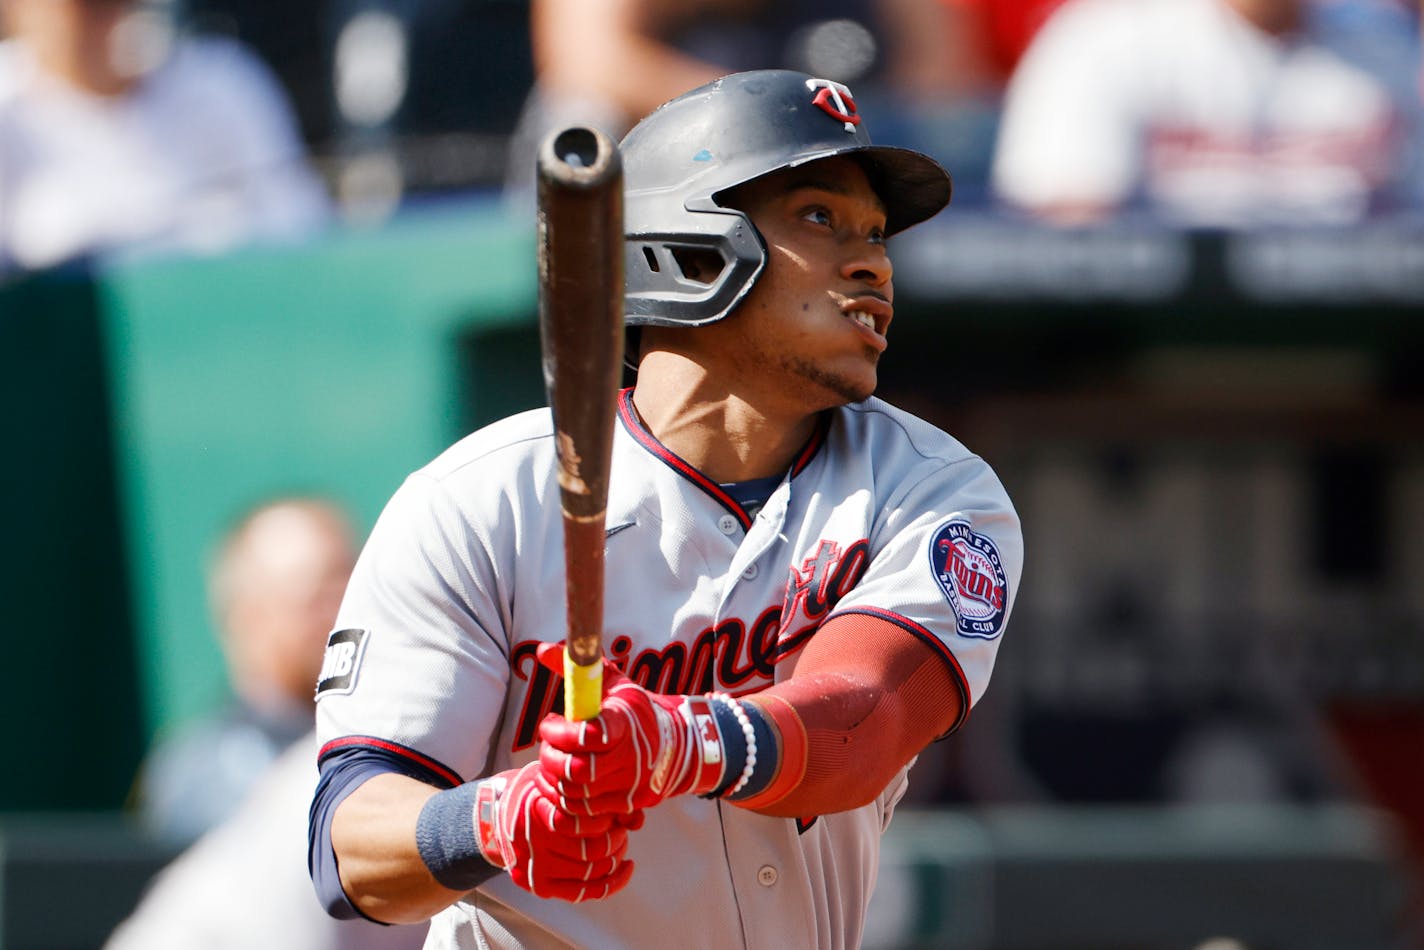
x: 979, y: 46
x: 988, y: 37
x: 608, y: 64
x: 1215, y: 112
x: 244, y: 884
x: 275, y: 587
x: 294, y: 43
x: 114, y: 134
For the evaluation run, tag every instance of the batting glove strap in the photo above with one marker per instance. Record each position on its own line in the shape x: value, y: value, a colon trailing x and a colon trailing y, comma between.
x: 704, y: 758
x: 493, y: 845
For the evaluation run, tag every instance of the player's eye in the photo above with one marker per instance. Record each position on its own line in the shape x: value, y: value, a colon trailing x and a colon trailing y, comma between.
x: 817, y: 216
x: 877, y: 236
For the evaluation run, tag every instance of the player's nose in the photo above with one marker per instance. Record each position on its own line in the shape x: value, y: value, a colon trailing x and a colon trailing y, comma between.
x: 869, y: 264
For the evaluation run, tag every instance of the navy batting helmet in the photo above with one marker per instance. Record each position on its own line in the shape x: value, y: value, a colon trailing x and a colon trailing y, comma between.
x: 681, y: 158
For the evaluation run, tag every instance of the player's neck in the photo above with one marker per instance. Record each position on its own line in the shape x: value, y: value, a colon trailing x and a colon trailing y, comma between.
x: 726, y: 437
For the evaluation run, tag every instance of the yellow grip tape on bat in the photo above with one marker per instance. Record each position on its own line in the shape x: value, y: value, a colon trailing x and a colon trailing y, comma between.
x: 583, y: 689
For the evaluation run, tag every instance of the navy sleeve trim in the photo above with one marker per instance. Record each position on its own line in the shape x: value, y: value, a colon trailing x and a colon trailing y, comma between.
x: 445, y: 777
x: 345, y: 766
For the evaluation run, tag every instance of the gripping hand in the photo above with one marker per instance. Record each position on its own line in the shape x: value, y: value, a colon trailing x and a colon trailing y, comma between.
x: 547, y: 851
x: 641, y: 749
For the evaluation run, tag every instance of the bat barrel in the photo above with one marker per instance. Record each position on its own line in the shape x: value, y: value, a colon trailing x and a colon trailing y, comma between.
x: 580, y: 179
x: 580, y: 196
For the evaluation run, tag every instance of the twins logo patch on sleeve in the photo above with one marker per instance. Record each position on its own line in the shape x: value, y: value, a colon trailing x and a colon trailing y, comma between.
x: 342, y: 662
x: 969, y: 571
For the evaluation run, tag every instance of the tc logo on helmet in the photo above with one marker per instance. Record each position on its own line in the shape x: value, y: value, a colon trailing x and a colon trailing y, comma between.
x: 836, y: 101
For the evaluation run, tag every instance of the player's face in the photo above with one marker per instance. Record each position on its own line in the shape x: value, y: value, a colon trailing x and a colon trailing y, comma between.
x: 814, y: 323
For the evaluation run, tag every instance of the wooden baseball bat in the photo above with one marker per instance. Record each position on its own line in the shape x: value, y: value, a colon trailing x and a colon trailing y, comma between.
x: 580, y: 202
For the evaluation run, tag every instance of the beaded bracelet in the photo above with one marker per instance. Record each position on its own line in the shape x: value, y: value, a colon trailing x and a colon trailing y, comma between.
x: 750, y: 735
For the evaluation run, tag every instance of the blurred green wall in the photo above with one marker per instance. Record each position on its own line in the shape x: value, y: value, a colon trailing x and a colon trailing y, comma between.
x: 68, y: 693
x: 149, y: 404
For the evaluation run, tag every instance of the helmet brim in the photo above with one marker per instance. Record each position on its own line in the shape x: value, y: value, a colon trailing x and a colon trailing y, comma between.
x: 912, y: 186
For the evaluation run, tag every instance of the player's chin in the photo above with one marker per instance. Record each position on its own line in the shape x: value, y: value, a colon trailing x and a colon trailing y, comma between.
x: 854, y: 385
x: 836, y: 384
x: 852, y: 394
x: 847, y: 393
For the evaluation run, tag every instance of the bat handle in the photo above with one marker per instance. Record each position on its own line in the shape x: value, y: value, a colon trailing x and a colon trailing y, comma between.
x: 583, y: 564
x: 583, y: 688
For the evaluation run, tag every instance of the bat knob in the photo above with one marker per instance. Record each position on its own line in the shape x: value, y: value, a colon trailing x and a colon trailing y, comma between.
x: 577, y: 147
x: 577, y: 157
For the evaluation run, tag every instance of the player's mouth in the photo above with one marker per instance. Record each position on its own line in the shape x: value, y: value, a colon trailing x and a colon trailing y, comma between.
x: 871, y: 311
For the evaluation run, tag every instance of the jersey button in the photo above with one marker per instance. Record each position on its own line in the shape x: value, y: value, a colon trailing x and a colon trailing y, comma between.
x: 750, y: 572
x: 767, y: 875
x: 727, y: 524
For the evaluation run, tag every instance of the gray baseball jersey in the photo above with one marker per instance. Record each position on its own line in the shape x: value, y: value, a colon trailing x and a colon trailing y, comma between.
x: 462, y: 578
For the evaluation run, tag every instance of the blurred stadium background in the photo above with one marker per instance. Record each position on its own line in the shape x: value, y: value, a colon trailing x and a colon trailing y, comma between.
x: 1206, y: 728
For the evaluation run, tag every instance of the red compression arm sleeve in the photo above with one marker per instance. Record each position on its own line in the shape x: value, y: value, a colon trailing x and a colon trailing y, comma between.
x: 867, y: 696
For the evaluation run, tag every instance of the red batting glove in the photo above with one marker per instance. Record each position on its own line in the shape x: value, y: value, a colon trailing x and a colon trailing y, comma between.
x: 640, y: 749
x: 546, y: 850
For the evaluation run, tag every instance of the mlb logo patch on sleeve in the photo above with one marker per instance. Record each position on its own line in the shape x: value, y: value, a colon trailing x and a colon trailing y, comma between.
x: 966, y: 564
x: 344, y: 650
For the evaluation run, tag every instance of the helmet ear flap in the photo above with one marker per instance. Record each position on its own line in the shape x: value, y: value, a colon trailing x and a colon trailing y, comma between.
x: 699, y: 265
x: 688, y: 264
x: 670, y: 277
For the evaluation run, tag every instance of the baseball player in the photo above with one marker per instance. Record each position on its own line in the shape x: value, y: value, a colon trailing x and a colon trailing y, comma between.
x: 805, y: 587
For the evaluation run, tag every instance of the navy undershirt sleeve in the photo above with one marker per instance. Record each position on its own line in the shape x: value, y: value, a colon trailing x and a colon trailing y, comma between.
x: 341, y: 772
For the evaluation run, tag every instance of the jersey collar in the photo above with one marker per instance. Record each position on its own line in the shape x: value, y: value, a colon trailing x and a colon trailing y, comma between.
x: 633, y: 423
